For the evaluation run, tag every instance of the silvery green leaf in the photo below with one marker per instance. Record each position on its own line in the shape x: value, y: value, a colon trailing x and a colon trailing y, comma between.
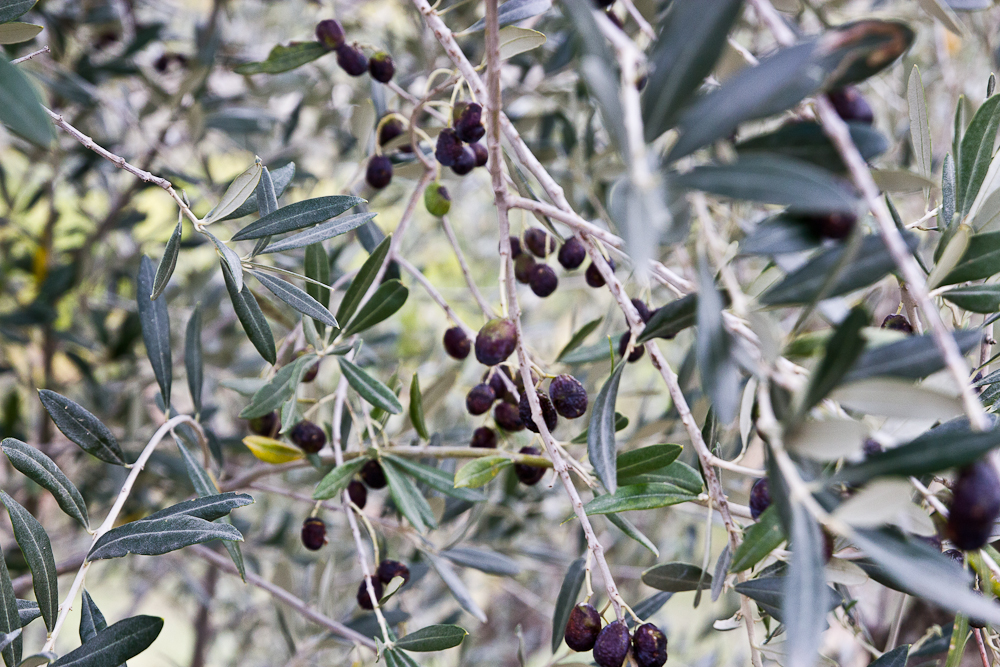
x: 231, y: 259
x: 295, y: 297
x: 805, y: 586
x: 251, y: 317
x: 297, y: 216
x: 280, y: 179
x: 319, y: 233
x: 408, y: 500
x: 976, y: 154
x: 337, y: 479
x: 193, y: 364
x: 363, y: 280
x: 676, y: 577
x: 601, y: 447
x: 91, y: 619
x: 513, y: 11
x: 153, y: 537
x: 920, y: 134
x: 437, y: 479
x: 20, y: 105
x: 12, y: 9
x: 115, y: 644
x: 44, y: 472
x: 10, y: 617
x: 238, y: 192
x: 387, y: 299
x: 37, y: 550
x: 720, y: 375
x: 267, y: 202
x: 483, y: 560
x: 914, y: 357
x: 155, y: 321
x: 890, y: 397
x: 167, y: 262
x: 456, y: 586
x: 369, y: 388
x: 432, y: 638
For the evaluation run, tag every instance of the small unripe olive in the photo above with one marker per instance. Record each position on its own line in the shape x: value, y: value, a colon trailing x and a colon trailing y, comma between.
x: 437, y: 200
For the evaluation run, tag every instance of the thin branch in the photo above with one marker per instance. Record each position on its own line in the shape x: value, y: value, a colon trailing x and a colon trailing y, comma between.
x: 223, y: 563
x: 31, y: 55
x: 569, y: 218
x: 484, y: 305
x: 435, y: 295
x: 493, y: 102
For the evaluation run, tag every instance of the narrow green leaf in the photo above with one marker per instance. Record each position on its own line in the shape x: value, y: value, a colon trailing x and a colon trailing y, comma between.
x: 871, y: 263
x: 925, y: 572
x: 37, y: 550
x: 759, y: 540
x: 805, y: 585
x: 670, y: 319
x: 83, y: 428
x: 44, y: 472
x: 91, y: 619
x: 578, y: 337
x: 950, y: 445
x: 10, y: 618
x: 251, y: 317
x: 369, y: 388
x: 387, y: 299
x: 115, y: 644
x: 280, y: 178
x: 238, y: 192
x: 601, y: 447
x: 914, y: 357
x: 417, y: 409
x: 28, y: 611
x: 231, y: 260
x: 437, y: 479
x: 720, y: 374
x: 269, y: 398
x: 363, y: 280
x: 479, y: 472
x: 676, y: 577
x: 456, y: 586
x: 408, y: 500
x: 320, y: 233
x: 483, y: 560
x: 621, y: 423
x: 432, y: 638
x: 20, y: 105
x: 284, y: 58
x: 981, y: 259
x: 767, y: 592
x: 13, y: 9
x: 317, y: 267
x: 805, y: 140
x: 193, y: 364
x: 630, y: 530
x: 568, y: 594
x: 152, y: 537
x: 920, y: 133
x: 894, y: 658
x: 842, y: 350
x: 155, y: 322
x: 975, y: 298
x: 167, y: 262
x: 297, y: 216
x: 337, y: 479
x: 976, y: 152
x: 646, y: 459
x: 295, y: 297
x: 639, y: 497
x: 512, y: 11
x: 677, y: 474
x: 267, y: 202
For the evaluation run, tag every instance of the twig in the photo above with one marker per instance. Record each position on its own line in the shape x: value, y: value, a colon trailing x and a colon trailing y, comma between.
x: 484, y: 305
x: 31, y: 55
x: 493, y: 103
x: 836, y: 129
x: 435, y: 295
x: 982, y: 647
x: 221, y: 562
x: 109, y: 521
x: 569, y: 218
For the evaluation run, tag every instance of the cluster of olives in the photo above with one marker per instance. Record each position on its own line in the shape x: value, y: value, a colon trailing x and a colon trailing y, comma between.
x: 372, y: 476
x: 611, y: 644
x: 458, y: 146
x: 539, y: 275
x: 386, y: 572
x: 350, y: 58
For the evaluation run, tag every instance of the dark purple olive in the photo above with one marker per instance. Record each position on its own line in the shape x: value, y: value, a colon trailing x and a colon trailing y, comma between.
x: 389, y: 569
x: 529, y: 475
x: 637, y: 350
x: 457, y: 343
x: 594, y: 277
x: 897, y: 323
x: 364, y: 597
x: 482, y: 155
x: 313, y: 533
x: 583, y: 627
x: 352, y: 60
x: 649, y: 646
x: 330, y: 34
x: 548, y: 412
x: 543, y: 280
x: 308, y: 437
x: 508, y: 417
x: 571, y: 254
x: 851, y: 105
x: 381, y: 67
x: 539, y: 242
x: 835, y: 226
x: 496, y: 341
x: 465, y: 162
x: 357, y: 493
x: 612, y: 645
x: 448, y: 148
x: 311, y: 373
x: 515, y: 247
x: 643, y: 309
x: 760, y: 497
x: 379, y: 172
x: 480, y: 399
x: 484, y: 437
x: 524, y: 265
x: 390, y: 129
x: 569, y: 397
x: 975, y: 505
x: 372, y: 474
x: 469, y: 125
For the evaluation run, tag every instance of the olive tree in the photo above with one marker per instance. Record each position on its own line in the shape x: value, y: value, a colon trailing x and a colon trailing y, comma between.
x: 500, y: 326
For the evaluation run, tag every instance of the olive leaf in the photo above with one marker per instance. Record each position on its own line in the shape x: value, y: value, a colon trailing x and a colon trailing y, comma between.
x: 44, y: 472
x: 37, y: 549
x: 83, y: 428
x: 155, y: 321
